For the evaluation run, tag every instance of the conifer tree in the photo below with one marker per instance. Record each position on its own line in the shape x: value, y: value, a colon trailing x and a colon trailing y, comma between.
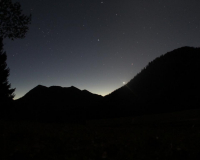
x: 6, y: 93
x: 13, y: 24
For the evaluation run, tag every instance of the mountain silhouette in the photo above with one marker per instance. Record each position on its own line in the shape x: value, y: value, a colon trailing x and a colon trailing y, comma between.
x: 168, y: 83
x: 54, y: 95
x: 55, y: 102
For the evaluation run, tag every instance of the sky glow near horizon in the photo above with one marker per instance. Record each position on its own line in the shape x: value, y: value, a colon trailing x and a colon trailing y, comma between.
x: 97, y: 45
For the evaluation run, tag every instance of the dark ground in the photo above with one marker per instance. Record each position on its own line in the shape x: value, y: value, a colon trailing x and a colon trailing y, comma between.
x: 171, y: 136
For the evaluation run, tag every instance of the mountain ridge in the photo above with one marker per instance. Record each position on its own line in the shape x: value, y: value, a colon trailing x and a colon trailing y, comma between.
x: 168, y: 83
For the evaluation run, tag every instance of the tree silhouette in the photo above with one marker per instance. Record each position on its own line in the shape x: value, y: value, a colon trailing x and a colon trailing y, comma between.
x: 6, y: 93
x: 13, y: 24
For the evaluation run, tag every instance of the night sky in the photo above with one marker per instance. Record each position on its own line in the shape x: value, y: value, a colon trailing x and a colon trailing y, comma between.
x: 97, y: 44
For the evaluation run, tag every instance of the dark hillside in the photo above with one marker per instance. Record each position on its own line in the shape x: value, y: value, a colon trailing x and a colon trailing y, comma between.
x: 170, y: 82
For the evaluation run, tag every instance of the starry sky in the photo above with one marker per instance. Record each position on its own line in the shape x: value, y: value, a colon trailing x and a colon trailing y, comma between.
x: 97, y: 45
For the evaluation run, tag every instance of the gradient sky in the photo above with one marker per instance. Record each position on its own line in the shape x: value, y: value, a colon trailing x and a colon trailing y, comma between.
x: 97, y: 44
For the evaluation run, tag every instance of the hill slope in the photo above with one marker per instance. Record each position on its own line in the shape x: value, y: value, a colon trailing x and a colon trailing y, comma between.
x: 170, y: 82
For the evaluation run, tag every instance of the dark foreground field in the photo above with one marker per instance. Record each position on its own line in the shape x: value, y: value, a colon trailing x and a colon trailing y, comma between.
x: 165, y: 136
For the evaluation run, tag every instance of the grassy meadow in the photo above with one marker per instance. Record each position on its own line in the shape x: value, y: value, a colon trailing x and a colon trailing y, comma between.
x: 162, y: 136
